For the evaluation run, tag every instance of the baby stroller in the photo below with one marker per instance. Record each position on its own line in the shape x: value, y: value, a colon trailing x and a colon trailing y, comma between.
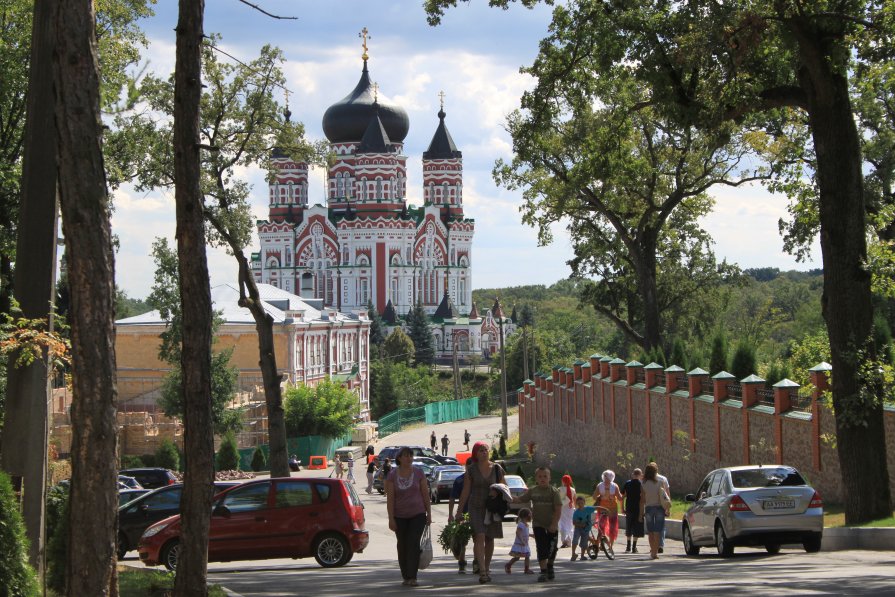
x: 598, y: 541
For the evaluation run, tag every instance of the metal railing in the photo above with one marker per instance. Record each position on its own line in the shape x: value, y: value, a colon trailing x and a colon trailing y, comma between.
x: 766, y: 397
x: 708, y: 386
x: 735, y: 391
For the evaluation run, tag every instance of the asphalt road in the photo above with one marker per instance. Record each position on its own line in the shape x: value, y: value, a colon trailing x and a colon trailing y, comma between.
x: 375, y: 572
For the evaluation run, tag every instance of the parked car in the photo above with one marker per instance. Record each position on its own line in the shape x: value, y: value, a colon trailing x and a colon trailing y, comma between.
x: 754, y: 506
x: 129, y: 482
x: 427, y: 461
x: 135, y: 516
x: 129, y: 495
x: 443, y: 481
x: 392, y: 451
x: 150, y: 478
x: 272, y: 518
x: 517, y: 487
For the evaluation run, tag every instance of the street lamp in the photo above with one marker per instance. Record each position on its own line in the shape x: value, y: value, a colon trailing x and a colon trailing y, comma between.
x: 497, y: 312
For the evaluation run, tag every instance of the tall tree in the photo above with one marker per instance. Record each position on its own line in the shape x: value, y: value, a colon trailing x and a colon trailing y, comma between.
x: 241, y: 124
x: 631, y: 185
x: 767, y: 64
x: 421, y: 334
x: 85, y: 204
x: 195, y: 296
x: 377, y: 326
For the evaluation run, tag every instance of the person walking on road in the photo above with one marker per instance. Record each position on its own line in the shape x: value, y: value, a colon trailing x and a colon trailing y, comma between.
x: 631, y: 504
x: 409, y: 512
x: 466, y: 438
x: 481, y: 473
x: 663, y: 481
x: 433, y: 441
x: 652, y: 511
x: 350, y: 465
x: 566, y: 527
x: 371, y: 471
x: 445, y: 442
x: 546, y: 509
x: 607, y: 495
x: 337, y: 466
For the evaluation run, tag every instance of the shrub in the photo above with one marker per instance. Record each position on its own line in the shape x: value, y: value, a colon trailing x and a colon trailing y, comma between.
x: 503, y: 447
x: 57, y: 537
x: 16, y: 576
x: 148, y: 460
x: 228, y: 455
x: 718, y: 360
x: 678, y: 354
x: 259, y: 462
x: 743, y: 362
x: 166, y: 456
x: 132, y: 462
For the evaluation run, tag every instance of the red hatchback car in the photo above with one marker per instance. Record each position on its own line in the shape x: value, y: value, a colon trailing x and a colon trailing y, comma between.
x: 272, y: 518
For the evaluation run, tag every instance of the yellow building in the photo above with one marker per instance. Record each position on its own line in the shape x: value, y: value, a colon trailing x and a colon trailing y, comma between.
x: 311, y: 342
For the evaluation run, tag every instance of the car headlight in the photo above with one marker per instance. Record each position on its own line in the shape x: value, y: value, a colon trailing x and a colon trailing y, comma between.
x: 154, y: 530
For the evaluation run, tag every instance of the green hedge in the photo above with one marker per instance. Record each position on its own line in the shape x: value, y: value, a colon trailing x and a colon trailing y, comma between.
x: 16, y: 576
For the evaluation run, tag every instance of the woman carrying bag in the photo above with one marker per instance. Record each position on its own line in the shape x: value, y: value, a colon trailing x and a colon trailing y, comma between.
x: 409, y: 512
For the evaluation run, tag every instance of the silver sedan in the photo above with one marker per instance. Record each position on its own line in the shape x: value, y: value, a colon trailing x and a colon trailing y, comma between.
x: 754, y: 506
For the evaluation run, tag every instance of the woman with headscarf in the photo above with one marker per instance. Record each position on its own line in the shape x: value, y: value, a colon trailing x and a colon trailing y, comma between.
x: 607, y: 495
x: 566, y: 527
x: 481, y: 473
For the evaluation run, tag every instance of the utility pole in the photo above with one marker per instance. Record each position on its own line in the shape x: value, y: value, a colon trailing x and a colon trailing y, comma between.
x: 497, y: 312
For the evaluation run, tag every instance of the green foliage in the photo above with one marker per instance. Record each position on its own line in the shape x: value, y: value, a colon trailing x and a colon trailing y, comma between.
x: 16, y: 576
x: 167, y: 456
x: 223, y: 389
x: 327, y: 409
x: 128, y: 461
x: 495, y: 455
x: 165, y: 297
x: 678, y: 355
x: 147, y: 459
x: 718, y: 359
x: 398, y: 347
x: 777, y: 371
x: 421, y: 334
x: 228, y: 455
x: 259, y: 461
x: 377, y: 331
x: 57, y: 536
x: 743, y: 363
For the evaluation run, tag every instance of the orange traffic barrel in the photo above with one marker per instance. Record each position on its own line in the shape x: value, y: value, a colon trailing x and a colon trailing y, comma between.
x: 317, y: 462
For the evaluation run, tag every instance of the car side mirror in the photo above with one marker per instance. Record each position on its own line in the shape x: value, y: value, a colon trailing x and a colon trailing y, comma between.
x: 221, y: 510
x: 689, y: 498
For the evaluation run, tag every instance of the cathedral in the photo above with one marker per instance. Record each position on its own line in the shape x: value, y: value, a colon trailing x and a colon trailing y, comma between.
x: 367, y: 245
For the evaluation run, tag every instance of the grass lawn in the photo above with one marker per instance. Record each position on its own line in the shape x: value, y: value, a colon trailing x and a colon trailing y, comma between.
x: 135, y: 582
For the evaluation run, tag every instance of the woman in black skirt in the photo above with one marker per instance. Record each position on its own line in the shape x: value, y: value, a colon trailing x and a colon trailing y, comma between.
x: 631, y: 493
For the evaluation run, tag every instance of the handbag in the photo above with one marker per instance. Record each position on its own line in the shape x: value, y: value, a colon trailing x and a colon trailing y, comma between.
x: 425, y: 549
x: 664, y: 499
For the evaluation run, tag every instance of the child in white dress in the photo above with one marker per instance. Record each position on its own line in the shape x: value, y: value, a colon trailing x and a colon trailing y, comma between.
x: 520, y: 547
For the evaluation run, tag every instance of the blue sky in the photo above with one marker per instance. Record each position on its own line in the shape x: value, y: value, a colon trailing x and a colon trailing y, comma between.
x: 474, y: 57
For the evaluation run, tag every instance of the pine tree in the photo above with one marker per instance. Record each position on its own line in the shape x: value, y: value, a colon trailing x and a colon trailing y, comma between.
x: 718, y: 360
x: 166, y: 456
x: 258, y: 460
x: 419, y: 331
x: 16, y: 576
x: 678, y: 355
x: 743, y: 362
x: 377, y: 331
x: 398, y: 347
x: 228, y: 455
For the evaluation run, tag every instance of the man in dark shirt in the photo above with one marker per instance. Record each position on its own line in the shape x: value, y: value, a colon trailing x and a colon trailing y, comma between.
x: 444, y: 445
x: 631, y: 494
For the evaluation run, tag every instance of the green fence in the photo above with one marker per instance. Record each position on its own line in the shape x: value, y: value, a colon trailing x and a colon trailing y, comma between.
x: 434, y: 412
x: 302, y: 447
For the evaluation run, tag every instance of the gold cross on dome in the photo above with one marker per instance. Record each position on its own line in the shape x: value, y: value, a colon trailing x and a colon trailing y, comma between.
x: 375, y: 91
x: 365, y: 35
x: 441, y: 98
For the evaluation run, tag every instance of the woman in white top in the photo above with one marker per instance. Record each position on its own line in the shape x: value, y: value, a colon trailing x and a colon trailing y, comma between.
x: 607, y: 495
x: 652, y: 510
x: 565, y: 521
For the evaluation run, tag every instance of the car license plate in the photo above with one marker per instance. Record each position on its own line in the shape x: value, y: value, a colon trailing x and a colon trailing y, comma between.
x: 778, y: 504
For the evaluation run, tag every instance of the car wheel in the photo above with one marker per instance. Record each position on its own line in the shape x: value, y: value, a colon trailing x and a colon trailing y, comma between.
x: 332, y: 551
x: 689, y: 548
x: 122, y: 546
x: 812, y: 543
x: 772, y: 548
x: 170, y: 553
x: 725, y: 549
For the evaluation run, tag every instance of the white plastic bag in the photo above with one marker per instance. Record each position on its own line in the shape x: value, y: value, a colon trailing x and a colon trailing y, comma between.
x: 425, y: 549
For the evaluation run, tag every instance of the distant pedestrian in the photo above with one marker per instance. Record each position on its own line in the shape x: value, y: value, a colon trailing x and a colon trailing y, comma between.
x: 433, y: 441
x: 607, y: 495
x: 409, y: 512
x: 445, y: 442
x: 466, y: 438
x: 652, y: 512
x: 546, y: 508
x: 350, y: 466
x: 521, y: 549
x: 371, y: 471
x: 369, y: 452
x: 568, y: 509
x: 337, y: 466
x: 663, y: 481
x: 631, y: 493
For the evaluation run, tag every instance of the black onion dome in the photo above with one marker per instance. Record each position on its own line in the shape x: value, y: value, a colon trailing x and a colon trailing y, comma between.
x: 347, y: 119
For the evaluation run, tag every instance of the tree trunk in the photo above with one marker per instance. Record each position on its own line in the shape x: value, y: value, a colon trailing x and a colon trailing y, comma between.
x: 846, y: 302
x: 195, y: 296
x: 278, y: 460
x: 84, y: 198
x: 25, y: 432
